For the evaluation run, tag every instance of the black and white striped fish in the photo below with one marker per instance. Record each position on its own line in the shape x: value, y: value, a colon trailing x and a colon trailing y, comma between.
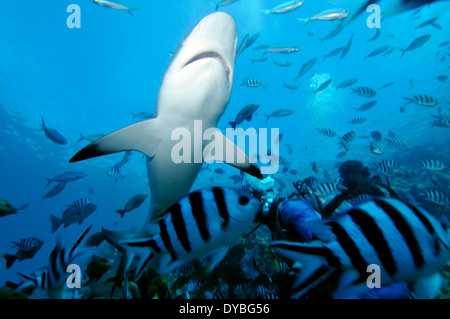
x: 379, y: 147
x: 327, y: 132
x: 422, y: 99
x: 27, y: 248
x: 436, y: 196
x: 202, y: 223
x: 252, y: 83
x: 291, y: 85
x: 407, y: 244
x: 360, y: 199
x: 51, y: 281
x: 364, y: 91
x: 385, y: 169
x: 60, y: 259
x: 441, y: 120
x: 376, y: 136
x: 115, y: 174
x: 325, y: 189
x: 433, y: 165
x: 80, y: 203
x: 358, y: 120
x: 389, y: 163
x: 400, y: 145
x: 348, y: 137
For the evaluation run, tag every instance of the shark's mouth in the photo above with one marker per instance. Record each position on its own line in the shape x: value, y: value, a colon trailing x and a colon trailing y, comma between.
x: 212, y: 55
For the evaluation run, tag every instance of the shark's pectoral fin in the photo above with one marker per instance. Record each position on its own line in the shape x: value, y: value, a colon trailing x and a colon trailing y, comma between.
x: 142, y: 137
x: 230, y: 154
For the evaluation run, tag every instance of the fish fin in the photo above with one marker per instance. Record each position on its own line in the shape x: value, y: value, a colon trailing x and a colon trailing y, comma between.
x: 30, y: 278
x: 81, y: 137
x: 10, y: 259
x: 24, y: 206
x: 130, y: 10
x: 428, y: 287
x: 134, y: 115
x: 404, y: 51
x: 233, y: 124
x: 240, y: 159
x: 56, y: 222
x: 313, y: 266
x: 74, y: 250
x: 141, y: 137
x: 437, y: 26
x: 217, y: 257
x: 320, y: 229
x: 305, y: 20
x: 121, y: 212
x: 410, y: 100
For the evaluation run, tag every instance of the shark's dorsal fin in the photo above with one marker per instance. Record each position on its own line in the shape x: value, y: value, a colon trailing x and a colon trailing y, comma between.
x: 142, y: 137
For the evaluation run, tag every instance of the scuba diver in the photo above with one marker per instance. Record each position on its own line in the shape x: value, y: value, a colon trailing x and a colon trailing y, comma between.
x: 290, y: 219
x: 355, y: 181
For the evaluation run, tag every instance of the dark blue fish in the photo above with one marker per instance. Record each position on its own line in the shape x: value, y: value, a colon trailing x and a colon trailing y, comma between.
x: 53, y: 134
x: 366, y: 106
x: 66, y: 177
x: 58, y: 188
x: 347, y: 47
x: 323, y: 86
x: 417, y: 43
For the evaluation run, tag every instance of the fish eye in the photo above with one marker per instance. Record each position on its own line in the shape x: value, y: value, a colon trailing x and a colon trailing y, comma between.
x: 243, y: 200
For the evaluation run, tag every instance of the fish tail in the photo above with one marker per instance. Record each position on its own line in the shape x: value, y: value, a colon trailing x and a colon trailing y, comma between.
x: 81, y: 137
x: 314, y: 269
x: 56, y: 222
x: 267, y: 117
x: 121, y: 212
x: 134, y: 115
x: 119, y: 240
x: 437, y: 26
x: 233, y: 124
x: 43, y: 123
x: 48, y: 181
x: 10, y: 259
x: 305, y: 20
x: 404, y: 51
x: 23, y: 206
x: 130, y: 10
x: 410, y: 100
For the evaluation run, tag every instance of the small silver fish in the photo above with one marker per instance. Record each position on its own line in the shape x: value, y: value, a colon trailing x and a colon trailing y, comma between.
x: 113, y: 5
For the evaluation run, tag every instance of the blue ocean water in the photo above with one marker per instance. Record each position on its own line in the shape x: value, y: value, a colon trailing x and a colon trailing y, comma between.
x: 88, y: 80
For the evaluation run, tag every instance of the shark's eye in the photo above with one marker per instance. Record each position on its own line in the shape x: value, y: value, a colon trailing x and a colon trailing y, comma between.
x: 243, y: 200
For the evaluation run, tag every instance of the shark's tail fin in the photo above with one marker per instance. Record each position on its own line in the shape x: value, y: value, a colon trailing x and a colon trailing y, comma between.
x: 233, y: 124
